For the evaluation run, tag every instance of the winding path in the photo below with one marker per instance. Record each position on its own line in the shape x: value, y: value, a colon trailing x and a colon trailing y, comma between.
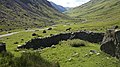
x: 9, y: 34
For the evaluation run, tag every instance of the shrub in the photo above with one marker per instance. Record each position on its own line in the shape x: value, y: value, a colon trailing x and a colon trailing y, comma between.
x: 75, y: 43
x: 27, y: 59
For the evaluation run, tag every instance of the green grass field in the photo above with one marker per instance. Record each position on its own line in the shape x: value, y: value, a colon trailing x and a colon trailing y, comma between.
x: 63, y: 52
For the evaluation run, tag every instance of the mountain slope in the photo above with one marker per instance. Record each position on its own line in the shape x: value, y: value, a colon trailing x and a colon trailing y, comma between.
x: 27, y: 13
x: 98, y: 11
x: 58, y: 7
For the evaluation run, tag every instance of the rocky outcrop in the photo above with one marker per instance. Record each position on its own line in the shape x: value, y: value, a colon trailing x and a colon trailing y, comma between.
x: 55, y: 39
x: 2, y: 47
x: 111, y: 43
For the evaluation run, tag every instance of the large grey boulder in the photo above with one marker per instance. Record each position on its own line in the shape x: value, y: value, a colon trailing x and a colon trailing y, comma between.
x: 117, y: 35
x: 111, y: 43
x: 2, y: 47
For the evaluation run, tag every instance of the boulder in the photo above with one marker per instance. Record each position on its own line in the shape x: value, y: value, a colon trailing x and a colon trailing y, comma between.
x: 2, y: 47
x: 117, y: 35
x: 44, y: 31
x: 111, y: 43
x: 49, y: 28
x: 34, y: 34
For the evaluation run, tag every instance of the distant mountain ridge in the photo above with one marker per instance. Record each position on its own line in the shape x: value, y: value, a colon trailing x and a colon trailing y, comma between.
x: 27, y: 13
x: 58, y: 7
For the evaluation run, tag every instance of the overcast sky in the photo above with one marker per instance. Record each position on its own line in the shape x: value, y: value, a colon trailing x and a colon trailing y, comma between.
x: 69, y: 3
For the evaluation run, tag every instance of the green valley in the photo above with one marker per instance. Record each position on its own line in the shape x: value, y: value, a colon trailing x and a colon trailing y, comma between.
x: 27, y: 24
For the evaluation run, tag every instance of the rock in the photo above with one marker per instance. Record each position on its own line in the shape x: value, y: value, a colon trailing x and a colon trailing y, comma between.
x: 70, y: 59
x: 115, y: 27
x: 34, y: 34
x: 49, y: 28
x: 117, y: 35
x: 17, y: 50
x: 44, y: 31
x: 75, y: 54
x: 2, y: 47
x: 68, y: 29
x: 97, y: 54
x: 111, y: 43
x: 16, y: 42
x: 53, y: 46
x: 93, y: 51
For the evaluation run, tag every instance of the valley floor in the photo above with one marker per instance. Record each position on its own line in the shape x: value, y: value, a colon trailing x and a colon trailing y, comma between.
x: 66, y: 55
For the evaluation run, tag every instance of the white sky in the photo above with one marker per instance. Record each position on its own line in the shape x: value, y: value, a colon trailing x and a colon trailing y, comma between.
x: 69, y: 3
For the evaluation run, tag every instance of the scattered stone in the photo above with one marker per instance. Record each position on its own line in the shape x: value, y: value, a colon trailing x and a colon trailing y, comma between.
x: 2, y: 47
x: 107, y: 58
x: 26, y: 29
x: 23, y: 51
x: 16, y: 42
x: 22, y: 39
x: 44, y: 31
x: 115, y: 27
x: 34, y: 34
x: 70, y: 59
x: 97, y: 54
x: 51, y: 34
x: 93, y: 51
x: 53, y: 46
x: 68, y: 29
x: 49, y: 28
x: 17, y: 50
x: 75, y: 54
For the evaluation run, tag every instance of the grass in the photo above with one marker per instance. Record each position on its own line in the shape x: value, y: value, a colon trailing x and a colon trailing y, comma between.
x: 76, y: 43
x: 69, y: 56
x: 60, y: 28
x: 27, y: 59
x: 97, y: 16
x: 63, y: 53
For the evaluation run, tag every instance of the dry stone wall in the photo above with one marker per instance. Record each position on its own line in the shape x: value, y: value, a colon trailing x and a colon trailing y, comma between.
x: 55, y: 39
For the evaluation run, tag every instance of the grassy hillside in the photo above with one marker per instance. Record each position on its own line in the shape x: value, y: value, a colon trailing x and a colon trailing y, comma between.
x: 27, y: 14
x: 98, y: 11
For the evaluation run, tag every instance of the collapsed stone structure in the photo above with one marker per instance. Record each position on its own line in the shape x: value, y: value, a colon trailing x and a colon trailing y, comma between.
x: 2, y: 47
x: 111, y: 43
x: 55, y: 39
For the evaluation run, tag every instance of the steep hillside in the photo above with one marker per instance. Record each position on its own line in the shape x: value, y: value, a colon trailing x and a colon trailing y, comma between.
x: 58, y: 7
x: 27, y: 13
x: 98, y: 11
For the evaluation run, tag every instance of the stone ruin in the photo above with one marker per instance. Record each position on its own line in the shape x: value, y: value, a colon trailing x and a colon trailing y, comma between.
x: 2, y: 47
x: 111, y: 43
x: 55, y: 39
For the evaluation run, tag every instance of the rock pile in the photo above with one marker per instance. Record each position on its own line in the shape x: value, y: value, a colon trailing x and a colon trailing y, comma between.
x: 2, y: 47
x: 111, y: 43
x: 55, y: 39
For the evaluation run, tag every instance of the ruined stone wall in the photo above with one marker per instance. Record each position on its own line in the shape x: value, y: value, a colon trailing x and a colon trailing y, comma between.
x: 55, y: 39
